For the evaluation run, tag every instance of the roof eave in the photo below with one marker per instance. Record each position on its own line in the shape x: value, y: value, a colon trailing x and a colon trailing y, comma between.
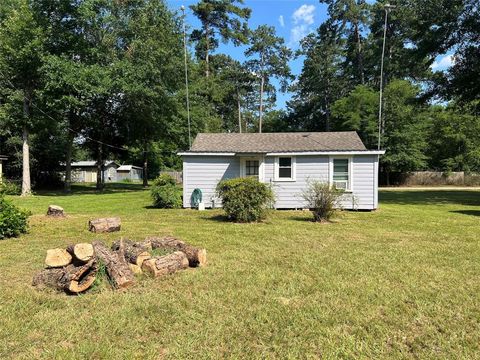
x: 291, y: 153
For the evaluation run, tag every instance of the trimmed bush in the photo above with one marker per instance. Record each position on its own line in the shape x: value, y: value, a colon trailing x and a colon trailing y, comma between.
x: 9, y: 188
x: 322, y: 199
x: 166, y: 194
x: 13, y: 221
x: 245, y: 199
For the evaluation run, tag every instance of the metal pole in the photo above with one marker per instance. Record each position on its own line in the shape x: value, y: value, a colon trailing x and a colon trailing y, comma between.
x: 186, y: 78
x: 387, y: 9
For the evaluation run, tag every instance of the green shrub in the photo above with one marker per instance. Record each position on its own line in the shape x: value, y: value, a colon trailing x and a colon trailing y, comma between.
x: 9, y: 188
x: 13, y: 221
x: 245, y: 199
x: 166, y: 193
x: 322, y: 199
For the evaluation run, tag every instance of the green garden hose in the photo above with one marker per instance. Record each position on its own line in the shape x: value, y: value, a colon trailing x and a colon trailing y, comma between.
x: 196, y: 197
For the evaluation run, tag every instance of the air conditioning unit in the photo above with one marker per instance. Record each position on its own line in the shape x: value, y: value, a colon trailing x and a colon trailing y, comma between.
x: 341, y: 184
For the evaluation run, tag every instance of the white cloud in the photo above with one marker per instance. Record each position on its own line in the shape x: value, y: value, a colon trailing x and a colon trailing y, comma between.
x: 443, y: 63
x: 304, y: 15
x: 302, y: 18
x: 281, y: 20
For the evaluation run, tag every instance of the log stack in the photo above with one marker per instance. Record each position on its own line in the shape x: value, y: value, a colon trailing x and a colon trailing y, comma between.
x: 75, y: 269
x: 102, y: 225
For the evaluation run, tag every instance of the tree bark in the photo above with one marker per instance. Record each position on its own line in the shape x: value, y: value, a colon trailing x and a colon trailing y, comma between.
x: 359, y: 53
x: 135, y: 253
x: 102, y: 225
x: 261, y: 105
x: 164, y: 265
x: 196, y: 256
x: 115, y: 264
x: 68, y: 163
x: 207, y: 51
x: 99, y: 185
x: 145, y: 166
x: 239, y: 113
x: 72, y: 279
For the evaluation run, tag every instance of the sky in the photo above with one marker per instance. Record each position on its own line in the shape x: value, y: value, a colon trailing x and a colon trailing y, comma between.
x: 292, y: 19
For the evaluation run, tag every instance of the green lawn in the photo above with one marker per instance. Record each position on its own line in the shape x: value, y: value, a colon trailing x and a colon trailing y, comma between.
x: 401, y: 282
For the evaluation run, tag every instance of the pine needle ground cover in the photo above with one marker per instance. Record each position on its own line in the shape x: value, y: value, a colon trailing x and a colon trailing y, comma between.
x: 401, y: 282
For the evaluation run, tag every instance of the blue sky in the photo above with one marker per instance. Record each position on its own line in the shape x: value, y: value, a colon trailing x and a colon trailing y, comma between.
x: 292, y: 19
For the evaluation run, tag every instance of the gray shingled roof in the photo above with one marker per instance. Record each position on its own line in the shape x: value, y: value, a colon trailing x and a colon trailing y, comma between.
x: 90, y: 163
x: 278, y: 142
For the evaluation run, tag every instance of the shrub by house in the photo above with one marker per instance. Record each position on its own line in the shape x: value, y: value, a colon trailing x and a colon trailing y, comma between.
x: 322, y: 199
x: 166, y: 193
x: 245, y: 199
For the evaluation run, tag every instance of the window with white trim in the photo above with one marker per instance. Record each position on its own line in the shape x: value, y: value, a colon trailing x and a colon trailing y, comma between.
x: 285, y: 168
x: 252, y: 168
x: 341, y: 174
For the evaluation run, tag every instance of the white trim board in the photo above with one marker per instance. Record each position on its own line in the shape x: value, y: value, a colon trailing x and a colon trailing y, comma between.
x: 286, y: 153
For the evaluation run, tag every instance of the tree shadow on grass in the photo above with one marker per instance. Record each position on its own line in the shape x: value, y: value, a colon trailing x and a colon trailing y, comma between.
x: 89, y: 189
x: 467, y: 212
x: 217, y: 218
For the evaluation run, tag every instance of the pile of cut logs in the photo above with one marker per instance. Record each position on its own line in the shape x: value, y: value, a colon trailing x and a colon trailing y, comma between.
x: 75, y: 269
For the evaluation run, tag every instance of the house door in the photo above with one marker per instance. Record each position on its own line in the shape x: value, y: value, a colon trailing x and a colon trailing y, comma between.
x: 252, y: 167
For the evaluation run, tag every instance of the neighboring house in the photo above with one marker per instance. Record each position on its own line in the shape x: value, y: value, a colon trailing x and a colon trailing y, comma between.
x: 131, y: 172
x: 287, y: 161
x: 86, y: 171
x: 2, y: 159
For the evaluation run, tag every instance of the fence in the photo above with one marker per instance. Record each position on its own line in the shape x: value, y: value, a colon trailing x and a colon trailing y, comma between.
x: 431, y: 178
x: 177, y: 175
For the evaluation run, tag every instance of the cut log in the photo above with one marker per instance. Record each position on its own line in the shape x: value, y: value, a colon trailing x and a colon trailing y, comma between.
x: 164, y: 265
x: 196, y: 256
x: 134, y: 252
x: 137, y: 270
x: 104, y: 225
x: 73, y: 279
x: 57, y: 258
x: 83, y: 252
x: 115, y: 264
x: 55, y: 211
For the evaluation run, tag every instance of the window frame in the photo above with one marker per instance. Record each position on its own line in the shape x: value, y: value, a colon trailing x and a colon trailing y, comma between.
x: 350, y: 171
x: 261, y: 166
x: 293, y: 165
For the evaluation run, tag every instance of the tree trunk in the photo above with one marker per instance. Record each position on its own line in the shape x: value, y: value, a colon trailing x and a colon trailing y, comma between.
x: 359, y: 53
x: 145, y: 167
x: 261, y: 105
x: 239, y: 113
x: 82, y: 252
x: 72, y: 279
x: 196, y: 256
x: 100, y: 168
x: 115, y: 264
x: 164, y: 265
x: 102, y: 225
x: 135, y: 253
x: 68, y: 163
x: 207, y: 51
x: 57, y: 258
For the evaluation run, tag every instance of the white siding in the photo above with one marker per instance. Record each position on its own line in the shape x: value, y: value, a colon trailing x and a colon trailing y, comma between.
x: 204, y: 172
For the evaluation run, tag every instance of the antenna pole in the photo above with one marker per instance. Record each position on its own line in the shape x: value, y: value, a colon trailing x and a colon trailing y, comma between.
x: 186, y: 77
x: 380, y: 127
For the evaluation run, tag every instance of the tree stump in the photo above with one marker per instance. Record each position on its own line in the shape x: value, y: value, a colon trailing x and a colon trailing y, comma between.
x: 104, y: 225
x: 57, y: 258
x: 164, y: 265
x: 196, y: 256
x: 134, y: 252
x: 55, y: 211
x: 82, y: 252
x: 117, y: 267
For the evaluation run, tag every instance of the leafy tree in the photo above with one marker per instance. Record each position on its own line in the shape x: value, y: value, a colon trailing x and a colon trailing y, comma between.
x: 358, y: 111
x: 21, y: 50
x: 322, y: 80
x: 271, y: 58
x: 219, y: 18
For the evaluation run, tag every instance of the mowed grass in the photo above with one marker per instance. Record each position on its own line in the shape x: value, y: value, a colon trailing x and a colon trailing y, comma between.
x: 400, y: 282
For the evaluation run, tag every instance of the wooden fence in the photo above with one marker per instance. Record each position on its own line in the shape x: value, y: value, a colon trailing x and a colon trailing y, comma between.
x: 177, y: 175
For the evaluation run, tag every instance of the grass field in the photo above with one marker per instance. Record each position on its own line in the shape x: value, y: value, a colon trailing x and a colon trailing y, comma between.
x: 401, y: 282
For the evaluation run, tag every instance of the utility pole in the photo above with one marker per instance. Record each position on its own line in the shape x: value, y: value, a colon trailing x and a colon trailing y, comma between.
x: 186, y: 77
x: 387, y: 8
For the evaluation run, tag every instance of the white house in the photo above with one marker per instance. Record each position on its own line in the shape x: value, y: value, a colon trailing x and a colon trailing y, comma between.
x: 287, y: 161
